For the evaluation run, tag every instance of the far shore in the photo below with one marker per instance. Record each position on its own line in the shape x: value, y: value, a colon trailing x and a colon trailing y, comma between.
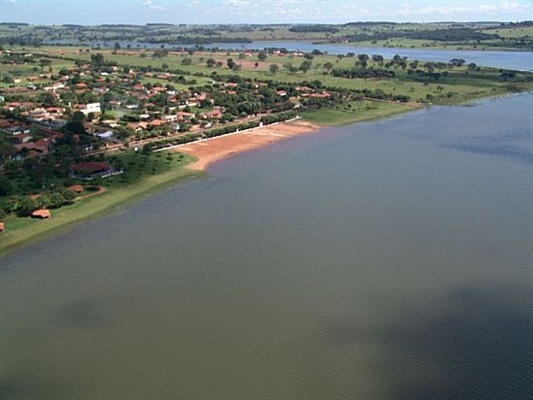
x: 210, y: 151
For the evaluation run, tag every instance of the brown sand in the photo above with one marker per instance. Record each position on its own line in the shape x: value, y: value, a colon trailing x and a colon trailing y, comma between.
x: 212, y: 150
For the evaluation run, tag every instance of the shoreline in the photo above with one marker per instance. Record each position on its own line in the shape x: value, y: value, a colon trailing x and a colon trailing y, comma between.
x: 210, y: 151
x: 92, y: 207
x: 202, y: 154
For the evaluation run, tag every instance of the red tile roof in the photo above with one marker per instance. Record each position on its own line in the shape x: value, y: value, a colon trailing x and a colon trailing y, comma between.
x: 41, y: 214
x: 76, y: 188
x: 91, y: 167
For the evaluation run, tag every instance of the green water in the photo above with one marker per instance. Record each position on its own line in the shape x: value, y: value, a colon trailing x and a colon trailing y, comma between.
x: 389, y: 259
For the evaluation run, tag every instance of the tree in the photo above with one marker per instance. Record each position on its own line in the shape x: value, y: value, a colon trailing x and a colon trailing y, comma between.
x: 159, y: 53
x: 457, y: 62
x: 273, y: 68
x: 43, y: 201
x: 186, y: 61
x: 68, y: 196
x: 44, y: 62
x: 26, y: 206
x: 378, y: 59
x: 47, y: 99
x: 211, y: 62
x: 56, y: 200
x: 363, y: 60
x: 230, y: 63
x: 5, y: 186
x: 262, y: 55
x: 75, y: 125
x: 97, y: 60
x: 328, y: 66
x: 305, y: 66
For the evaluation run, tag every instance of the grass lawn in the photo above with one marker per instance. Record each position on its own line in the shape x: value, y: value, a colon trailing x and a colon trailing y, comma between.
x: 516, y: 32
x: 358, y: 111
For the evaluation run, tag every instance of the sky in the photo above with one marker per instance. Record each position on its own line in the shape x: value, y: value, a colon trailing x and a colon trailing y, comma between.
x: 94, y: 12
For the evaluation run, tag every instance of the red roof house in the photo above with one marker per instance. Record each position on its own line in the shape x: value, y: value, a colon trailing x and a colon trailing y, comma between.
x: 42, y: 214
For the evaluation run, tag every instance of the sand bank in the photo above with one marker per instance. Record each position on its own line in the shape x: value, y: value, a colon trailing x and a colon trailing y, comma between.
x: 212, y: 150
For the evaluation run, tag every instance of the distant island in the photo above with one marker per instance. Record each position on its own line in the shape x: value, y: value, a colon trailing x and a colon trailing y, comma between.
x: 87, y: 127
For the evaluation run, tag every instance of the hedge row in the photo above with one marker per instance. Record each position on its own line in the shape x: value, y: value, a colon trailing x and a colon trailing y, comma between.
x: 161, y: 144
x: 224, y: 130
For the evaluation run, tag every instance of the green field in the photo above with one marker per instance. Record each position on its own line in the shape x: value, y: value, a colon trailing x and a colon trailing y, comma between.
x: 355, y: 111
x: 375, y: 34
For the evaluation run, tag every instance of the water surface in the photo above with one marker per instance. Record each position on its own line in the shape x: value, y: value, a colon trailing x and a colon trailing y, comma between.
x: 388, y: 259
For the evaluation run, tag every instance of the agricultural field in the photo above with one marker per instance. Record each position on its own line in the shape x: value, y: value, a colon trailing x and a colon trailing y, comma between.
x: 511, y: 36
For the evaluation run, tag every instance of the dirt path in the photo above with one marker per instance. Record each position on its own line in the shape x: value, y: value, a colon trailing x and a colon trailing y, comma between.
x: 100, y: 190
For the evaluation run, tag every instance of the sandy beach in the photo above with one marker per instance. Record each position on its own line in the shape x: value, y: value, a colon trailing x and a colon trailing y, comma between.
x: 212, y: 150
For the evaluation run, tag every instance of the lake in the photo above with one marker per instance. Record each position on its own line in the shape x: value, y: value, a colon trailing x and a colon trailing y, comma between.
x: 388, y: 259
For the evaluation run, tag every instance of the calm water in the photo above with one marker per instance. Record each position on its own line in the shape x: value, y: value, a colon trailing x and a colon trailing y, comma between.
x: 385, y: 260
x: 519, y: 60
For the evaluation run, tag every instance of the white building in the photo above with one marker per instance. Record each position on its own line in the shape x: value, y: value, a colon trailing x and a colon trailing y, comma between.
x: 91, y: 108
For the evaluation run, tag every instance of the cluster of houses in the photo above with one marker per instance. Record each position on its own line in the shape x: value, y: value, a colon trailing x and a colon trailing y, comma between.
x: 114, y: 93
x: 28, y: 142
x: 120, y: 104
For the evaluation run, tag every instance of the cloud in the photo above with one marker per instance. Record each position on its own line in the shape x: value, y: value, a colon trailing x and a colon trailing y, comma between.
x: 237, y: 3
x: 152, y: 6
x: 471, y: 11
x: 272, y: 11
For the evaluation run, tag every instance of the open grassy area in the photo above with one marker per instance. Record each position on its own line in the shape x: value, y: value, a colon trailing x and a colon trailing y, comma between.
x: 355, y: 111
x: 513, y: 33
x: 23, y: 231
